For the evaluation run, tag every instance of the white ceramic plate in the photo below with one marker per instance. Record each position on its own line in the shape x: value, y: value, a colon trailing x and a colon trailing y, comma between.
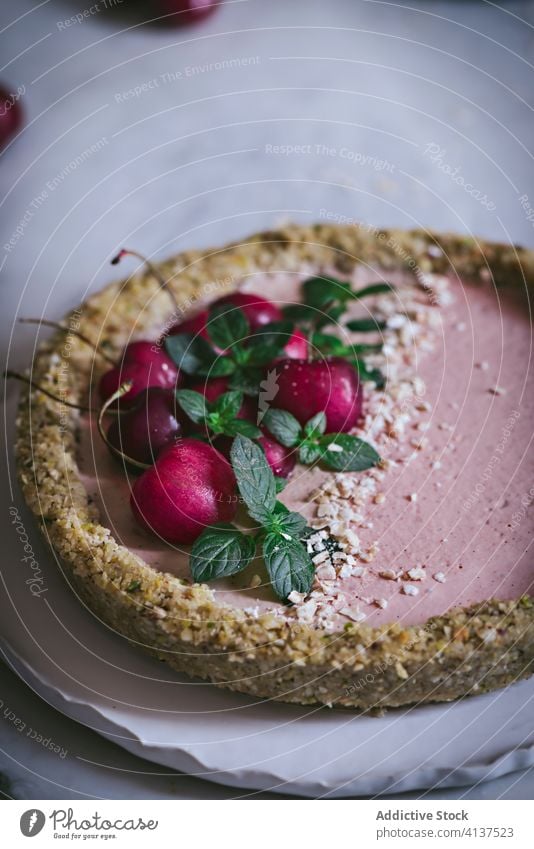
x: 78, y: 665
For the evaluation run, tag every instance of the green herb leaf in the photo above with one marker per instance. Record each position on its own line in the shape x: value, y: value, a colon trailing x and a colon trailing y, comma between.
x: 319, y: 291
x: 189, y: 352
x: 221, y: 550
x: 269, y: 342
x: 373, y: 289
x: 309, y: 452
x: 365, y: 325
x: 280, y: 483
x: 227, y: 326
x: 255, y: 479
x: 133, y: 586
x: 246, y: 380
x: 346, y: 453
x: 289, y: 565
x: 220, y: 367
x: 315, y: 426
x: 293, y: 524
x: 228, y: 404
x: 328, y: 344
x: 192, y: 403
x: 243, y: 427
x: 283, y: 426
x: 300, y: 313
x: 262, y: 354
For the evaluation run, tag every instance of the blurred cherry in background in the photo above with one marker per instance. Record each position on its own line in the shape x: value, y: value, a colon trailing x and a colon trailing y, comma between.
x: 10, y: 114
x: 184, y: 12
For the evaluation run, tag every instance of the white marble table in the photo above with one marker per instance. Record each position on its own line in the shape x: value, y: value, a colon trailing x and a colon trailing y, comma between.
x: 408, y: 114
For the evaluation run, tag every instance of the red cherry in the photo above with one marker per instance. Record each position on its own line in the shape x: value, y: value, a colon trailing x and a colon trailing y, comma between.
x: 281, y: 459
x: 144, y: 352
x: 190, y: 486
x: 155, y: 422
x: 145, y: 364
x: 185, y: 12
x: 296, y: 348
x: 259, y: 311
x: 10, y: 115
x: 196, y: 325
x: 331, y: 385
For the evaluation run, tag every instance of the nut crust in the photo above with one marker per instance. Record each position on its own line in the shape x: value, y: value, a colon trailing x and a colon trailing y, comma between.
x: 464, y: 651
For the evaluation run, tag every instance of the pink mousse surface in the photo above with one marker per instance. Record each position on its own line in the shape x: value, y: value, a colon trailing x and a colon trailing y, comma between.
x: 471, y: 517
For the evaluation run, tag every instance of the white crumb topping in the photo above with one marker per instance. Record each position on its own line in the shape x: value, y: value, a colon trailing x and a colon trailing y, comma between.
x: 344, y: 500
x: 439, y: 577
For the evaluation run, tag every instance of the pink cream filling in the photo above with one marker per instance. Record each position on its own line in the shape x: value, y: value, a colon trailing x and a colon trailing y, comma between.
x: 459, y: 508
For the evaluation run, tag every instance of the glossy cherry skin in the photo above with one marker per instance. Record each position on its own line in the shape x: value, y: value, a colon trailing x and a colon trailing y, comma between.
x: 146, y: 365
x: 282, y: 460
x: 155, y: 422
x: 10, y: 116
x: 196, y: 325
x: 259, y: 311
x: 329, y: 385
x: 185, y: 12
x: 296, y: 348
x: 189, y: 487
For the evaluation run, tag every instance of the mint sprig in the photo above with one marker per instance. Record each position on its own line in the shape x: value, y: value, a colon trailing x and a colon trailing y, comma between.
x: 232, y: 351
x: 225, y: 550
x: 325, y: 300
x: 220, y: 551
x: 337, y: 451
x: 219, y: 417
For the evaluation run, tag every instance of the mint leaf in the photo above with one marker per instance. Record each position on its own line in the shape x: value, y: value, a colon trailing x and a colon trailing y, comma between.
x: 373, y: 289
x: 280, y: 483
x: 283, y: 426
x: 189, y: 352
x: 260, y: 354
x: 246, y: 380
x: 228, y: 405
x: 319, y: 291
x: 293, y: 524
x: 309, y: 452
x: 227, y: 326
x: 288, y: 564
x: 328, y: 344
x: 346, y: 453
x: 220, y: 367
x: 221, y: 550
x: 192, y: 403
x: 300, y: 313
x: 315, y: 426
x: 365, y: 325
x: 255, y: 479
x: 243, y: 427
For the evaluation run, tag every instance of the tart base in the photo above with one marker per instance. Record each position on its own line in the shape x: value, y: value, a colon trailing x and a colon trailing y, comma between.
x: 462, y: 652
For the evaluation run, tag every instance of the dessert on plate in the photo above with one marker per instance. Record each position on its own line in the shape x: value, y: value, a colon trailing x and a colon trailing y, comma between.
x: 299, y: 466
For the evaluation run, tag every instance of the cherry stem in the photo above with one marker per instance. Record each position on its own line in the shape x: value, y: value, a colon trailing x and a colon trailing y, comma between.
x: 122, y: 390
x: 153, y: 270
x: 22, y: 377
x: 76, y: 333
